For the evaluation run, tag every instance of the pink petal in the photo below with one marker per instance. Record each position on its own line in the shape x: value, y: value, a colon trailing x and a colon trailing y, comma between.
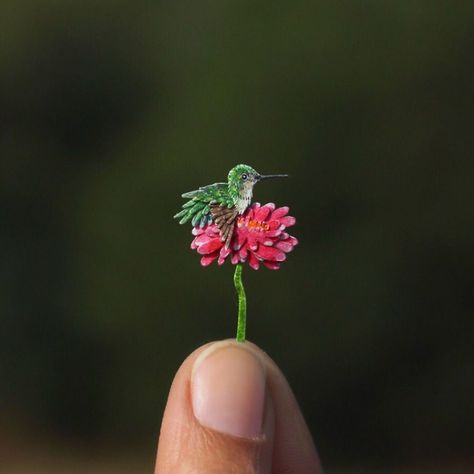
x: 253, y: 262
x: 280, y: 212
x: 262, y: 213
x: 273, y: 224
x: 201, y: 239
x: 270, y: 205
x: 210, y: 246
x: 243, y: 253
x: 252, y: 241
x: 292, y: 240
x: 288, y: 221
x: 273, y: 233
x: 272, y: 265
x: 223, y: 255
x: 208, y: 259
x: 235, y: 259
x: 197, y: 231
x: 284, y: 245
x: 270, y: 253
x: 249, y: 213
x: 240, y: 237
x: 224, y: 252
x: 211, y: 230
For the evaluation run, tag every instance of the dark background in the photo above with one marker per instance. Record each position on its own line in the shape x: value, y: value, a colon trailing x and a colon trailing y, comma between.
x: 110, y: 110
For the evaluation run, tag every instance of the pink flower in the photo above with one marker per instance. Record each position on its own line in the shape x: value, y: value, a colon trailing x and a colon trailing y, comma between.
x: 259, y: 237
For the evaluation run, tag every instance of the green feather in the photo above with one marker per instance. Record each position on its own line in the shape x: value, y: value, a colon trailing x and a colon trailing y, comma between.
x: 197, y: 209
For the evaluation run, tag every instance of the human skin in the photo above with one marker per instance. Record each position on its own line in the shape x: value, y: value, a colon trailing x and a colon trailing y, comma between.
x: 231, y: 410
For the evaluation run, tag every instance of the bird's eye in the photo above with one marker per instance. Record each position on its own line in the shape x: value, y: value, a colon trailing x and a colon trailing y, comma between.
x: 244, y: 176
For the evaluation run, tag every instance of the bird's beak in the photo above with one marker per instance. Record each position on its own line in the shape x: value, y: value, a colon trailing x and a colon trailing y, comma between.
x: 270, y: 176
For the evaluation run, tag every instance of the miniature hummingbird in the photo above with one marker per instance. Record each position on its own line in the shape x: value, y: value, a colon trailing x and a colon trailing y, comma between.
x: 221, y: 203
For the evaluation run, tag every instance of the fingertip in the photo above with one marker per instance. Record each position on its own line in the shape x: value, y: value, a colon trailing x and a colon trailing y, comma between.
x: 218, y: 415
x: 230, y: 407
x: 228, y: 390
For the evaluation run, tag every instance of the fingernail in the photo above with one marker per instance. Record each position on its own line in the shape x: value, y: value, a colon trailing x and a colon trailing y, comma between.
x: 228, y: 390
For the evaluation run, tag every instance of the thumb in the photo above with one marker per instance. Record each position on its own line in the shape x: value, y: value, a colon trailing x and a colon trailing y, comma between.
x: 230, y: 410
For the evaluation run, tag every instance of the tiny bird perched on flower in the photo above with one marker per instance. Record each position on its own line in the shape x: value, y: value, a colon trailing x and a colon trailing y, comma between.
x: 221, y: 203
x: 223, y: 213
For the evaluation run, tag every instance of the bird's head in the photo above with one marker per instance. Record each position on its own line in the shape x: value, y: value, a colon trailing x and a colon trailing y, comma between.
x: 243, y: 177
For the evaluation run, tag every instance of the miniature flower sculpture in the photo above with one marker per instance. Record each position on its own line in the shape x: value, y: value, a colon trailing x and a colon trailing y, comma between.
x: 227, y: 226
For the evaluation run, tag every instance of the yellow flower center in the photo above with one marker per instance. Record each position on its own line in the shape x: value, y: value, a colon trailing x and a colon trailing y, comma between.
x: 252, y: 224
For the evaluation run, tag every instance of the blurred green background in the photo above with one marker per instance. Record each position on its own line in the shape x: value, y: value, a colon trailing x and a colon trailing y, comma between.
x: 110, y: 110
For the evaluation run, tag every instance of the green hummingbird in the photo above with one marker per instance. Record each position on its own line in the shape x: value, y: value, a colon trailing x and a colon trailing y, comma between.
x: 221, y: 203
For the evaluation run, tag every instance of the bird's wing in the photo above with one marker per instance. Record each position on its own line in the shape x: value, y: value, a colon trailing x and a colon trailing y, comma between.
x: 224, y: 217
x: 207, y: 193
x: 197, y: 209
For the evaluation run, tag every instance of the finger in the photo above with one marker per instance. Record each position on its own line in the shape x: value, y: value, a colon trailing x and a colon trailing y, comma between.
x: 219, y: 416
x: 288, y: 443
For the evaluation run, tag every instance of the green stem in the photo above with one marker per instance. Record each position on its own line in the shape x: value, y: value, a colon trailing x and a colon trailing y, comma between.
x: 242, y: 314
